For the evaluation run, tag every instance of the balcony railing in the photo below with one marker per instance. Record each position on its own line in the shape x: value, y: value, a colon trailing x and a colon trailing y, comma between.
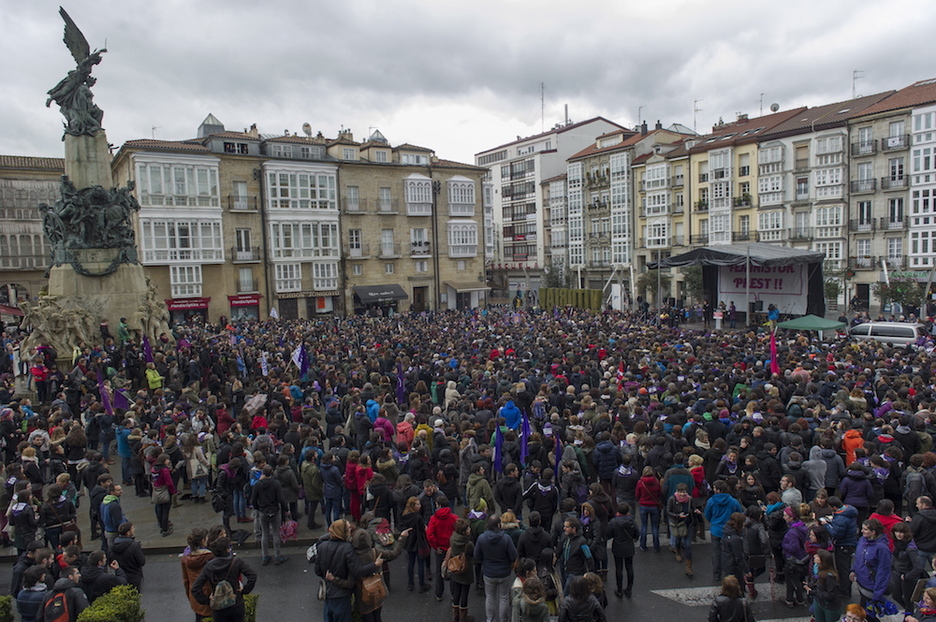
x: 241, y: 204
x: 418, y: 209
x: 387, y: 206
x: 461, y: 209
x: 360, y: 251
x: 801, y: 234
x: 862, y: 263
x: 895, y: 142
x: 420, y: 248
x: 801, y: 164
x: 864, y: 147
x: 700, y: 238
x: 863, y: 185
x: 701, y: 206
x: 467, y: 250
x: 742, y: 201
x: 895, y: 262
x: 245, y: 255
x: 861, y: 225
x: 770, y: 235
x: 678, y: 180
x: 802, y: 196
x: 353, y: 205
x: 599, y: 263
x: 389, y: 251
x: 740, y: 236
x: 893, y: 224
x: 894, y: 182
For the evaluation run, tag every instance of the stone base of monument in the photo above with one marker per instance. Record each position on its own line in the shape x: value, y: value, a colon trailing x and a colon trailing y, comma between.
x: 87, y: 160
x: 117, y: 295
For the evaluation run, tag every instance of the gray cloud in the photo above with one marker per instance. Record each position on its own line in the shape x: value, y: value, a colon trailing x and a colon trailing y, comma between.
x: 456, y: 76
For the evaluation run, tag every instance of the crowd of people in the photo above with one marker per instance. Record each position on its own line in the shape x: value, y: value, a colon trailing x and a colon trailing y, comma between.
x: 514, y: 451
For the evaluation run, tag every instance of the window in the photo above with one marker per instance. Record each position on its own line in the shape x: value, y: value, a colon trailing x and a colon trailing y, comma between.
x: 291, y: 190
x: 770, y: 155
x: 832, y: 250
x: 357, y: 269
x: 239, y: 198
x: 863, y: 252
x: 830, y: 144
x: 414, y: 159
x: 385, y: 202
x: 179, y: 185
x: 324, y: 276
x: 388, y: 268
x: 864, y: 171
x: 306, y: 239
x: 802, y: 188
x: 419, y: 241
x: 656, y: 203
x: 353, y: 199
x: 703, y: 172
x: 828, y: 221
x: 281, y: 151
x: 770, y: 190
x: 461, y: 196
x: 829, y: 183
x: 894, y: 249
x: 240, y: 148
x: 387, y: 247
x: 355, y: 247
x: 895, y: 210
x: 922, y: 202
x: 178, y: 241
x: 864, y: 215
x: 348, y: 153
x: 288, y: 277
x: 657, y: 233
x: 895, y: 167
x: 463, y: 239
x: 744, y: 225
x: 245, y: 280
x: 310, y: 153
x: 185, y: 281
x: 770, y: 226
x: 720, y: 228
x: 418, y: 196
x: 421, y: 266
x: 865, y: 144
x: 896, y: 128
x: 655, y: 177
x: 744, y: 165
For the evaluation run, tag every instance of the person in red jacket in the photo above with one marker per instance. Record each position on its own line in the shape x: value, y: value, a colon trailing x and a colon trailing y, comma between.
x: 649, y: 499
x: 438, y: 533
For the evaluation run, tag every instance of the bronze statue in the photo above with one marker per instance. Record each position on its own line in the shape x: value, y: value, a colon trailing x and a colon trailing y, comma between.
x: 73, y: 94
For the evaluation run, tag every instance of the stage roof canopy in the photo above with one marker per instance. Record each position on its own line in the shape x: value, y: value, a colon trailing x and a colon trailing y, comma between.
x: 738, y: 254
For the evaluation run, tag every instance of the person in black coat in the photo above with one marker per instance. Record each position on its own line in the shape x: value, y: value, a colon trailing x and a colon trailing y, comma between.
x: 622, y: 530
x: 508, y: 492
x: 97, y: 578
x: 533, y: 539
x: 225, y: 566
x: 731, y: 605
x: 129, y: 554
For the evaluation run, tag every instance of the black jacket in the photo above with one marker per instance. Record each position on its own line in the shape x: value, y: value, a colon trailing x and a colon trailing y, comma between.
x: 267, y: 496
x: 726, y: 609
x: 97, y: 581
x: 532, y: 542
x: 509, y: 495
x: 234, y: 569
x: 339, y: 557
x: 76, y: 598
x: 129, y: 554
x: 622, y: 530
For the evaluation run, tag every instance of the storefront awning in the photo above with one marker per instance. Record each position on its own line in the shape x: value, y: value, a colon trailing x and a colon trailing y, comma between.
x: 468, y: 286
x: 379, y: 293
x: 8, y: 310
x: 186, y: 304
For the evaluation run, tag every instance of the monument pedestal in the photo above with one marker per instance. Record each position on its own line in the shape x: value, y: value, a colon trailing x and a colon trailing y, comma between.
x: 87, y: 161
x: 117, y: 295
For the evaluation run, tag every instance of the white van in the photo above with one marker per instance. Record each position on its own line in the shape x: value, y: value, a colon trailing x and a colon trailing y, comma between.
x: 896, y: 333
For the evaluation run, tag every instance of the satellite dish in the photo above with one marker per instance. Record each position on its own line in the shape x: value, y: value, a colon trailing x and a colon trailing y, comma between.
x: 774, y: 107
x: 307, y: 129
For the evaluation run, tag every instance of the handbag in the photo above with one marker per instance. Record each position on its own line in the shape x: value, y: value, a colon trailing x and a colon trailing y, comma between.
x: 373, y: 591
x: 680, y: 530
x: 198, y: 469
x: 288, y: 530
x: 320, y: 595
x: 161, y: 495
x: 71, y: 525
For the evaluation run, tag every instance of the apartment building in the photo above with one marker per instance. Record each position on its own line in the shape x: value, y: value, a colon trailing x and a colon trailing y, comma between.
x: 517, y: 171
x: 25, y: 182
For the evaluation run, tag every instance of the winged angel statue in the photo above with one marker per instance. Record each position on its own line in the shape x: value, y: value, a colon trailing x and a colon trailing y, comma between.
x: 73, y: 94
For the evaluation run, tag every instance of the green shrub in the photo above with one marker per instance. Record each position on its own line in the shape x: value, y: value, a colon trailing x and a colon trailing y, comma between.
x: 6, y: 609
x: 121, y: 604
x: 250, y: 608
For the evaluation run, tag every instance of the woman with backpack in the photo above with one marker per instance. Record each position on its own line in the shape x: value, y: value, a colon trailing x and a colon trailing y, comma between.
x: 228, y: 578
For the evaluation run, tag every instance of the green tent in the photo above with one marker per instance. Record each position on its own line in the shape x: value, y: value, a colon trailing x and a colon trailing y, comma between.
x: 812, y: 322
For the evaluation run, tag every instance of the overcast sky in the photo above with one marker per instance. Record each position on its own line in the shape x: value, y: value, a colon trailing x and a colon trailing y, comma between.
x: 455, y: 76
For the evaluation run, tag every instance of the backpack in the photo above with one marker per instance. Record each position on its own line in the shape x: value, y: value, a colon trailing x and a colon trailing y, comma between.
x: 915, y: 485
x: 56, y: 609
x: 223, y: 595
x: 580, y: 493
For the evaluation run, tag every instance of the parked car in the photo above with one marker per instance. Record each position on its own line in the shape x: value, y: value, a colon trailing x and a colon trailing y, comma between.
x: 896, y: 333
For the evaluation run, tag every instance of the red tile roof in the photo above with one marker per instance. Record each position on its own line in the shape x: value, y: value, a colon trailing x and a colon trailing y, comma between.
x: 743, y: 131
x: 176, y: 145
x: 31, y: 162
x: 630, y: 141
x: 298, y: 140
x: 237, y: 135
x: 917, y: 94
x: 828, y: 115
x: 440, y: 163
x: 409, y: 147
x: 556, y: 178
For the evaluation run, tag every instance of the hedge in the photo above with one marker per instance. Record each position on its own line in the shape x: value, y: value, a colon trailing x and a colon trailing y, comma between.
x: 6, y: 609
x: 121, y: 604
x: 250, y: 608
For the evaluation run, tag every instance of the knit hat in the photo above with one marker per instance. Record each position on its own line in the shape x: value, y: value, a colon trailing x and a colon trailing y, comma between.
x: 790, y: 512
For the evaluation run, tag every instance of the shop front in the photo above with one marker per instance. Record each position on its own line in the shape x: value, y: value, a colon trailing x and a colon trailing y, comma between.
x: 378, y: 300
x: 467, y: 295
x: 245, y: 306
x: 181, y: 310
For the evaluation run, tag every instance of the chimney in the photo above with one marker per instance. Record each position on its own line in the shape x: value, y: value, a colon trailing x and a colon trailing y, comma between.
x: 659, y: 126
x: 254, y: 131
x: 742, y: 117
x: 643, y: 128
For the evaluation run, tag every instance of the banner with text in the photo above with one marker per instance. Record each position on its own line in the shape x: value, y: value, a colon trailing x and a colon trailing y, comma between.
x: 783, y: 286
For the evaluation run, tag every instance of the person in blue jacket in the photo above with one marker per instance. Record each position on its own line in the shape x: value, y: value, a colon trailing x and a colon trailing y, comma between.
x: 871, y: 569
x: 332, y: 488
x: 843, y: 527
x: 511, y: 415
x: 718, y: 510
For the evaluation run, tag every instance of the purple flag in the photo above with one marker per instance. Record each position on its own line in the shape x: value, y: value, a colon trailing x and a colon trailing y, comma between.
x: 121, y: 400
x: 498, y: 450
x: 557, y: 449
x: 303, y: 361
x: 524, y: 438
x: 105, y: 398
x: 400, y: 387
x: 147, y: 350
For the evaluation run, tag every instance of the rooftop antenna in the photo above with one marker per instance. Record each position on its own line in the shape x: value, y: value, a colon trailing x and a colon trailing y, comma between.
x: 153, y: 130
x: 639, y: 109
x: 857, y: 74
x: 542, y: 106
x: 695, y: 110
x: 761, y: 105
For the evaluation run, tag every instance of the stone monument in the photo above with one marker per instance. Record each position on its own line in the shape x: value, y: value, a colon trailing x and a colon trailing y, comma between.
x: 94, y: 274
